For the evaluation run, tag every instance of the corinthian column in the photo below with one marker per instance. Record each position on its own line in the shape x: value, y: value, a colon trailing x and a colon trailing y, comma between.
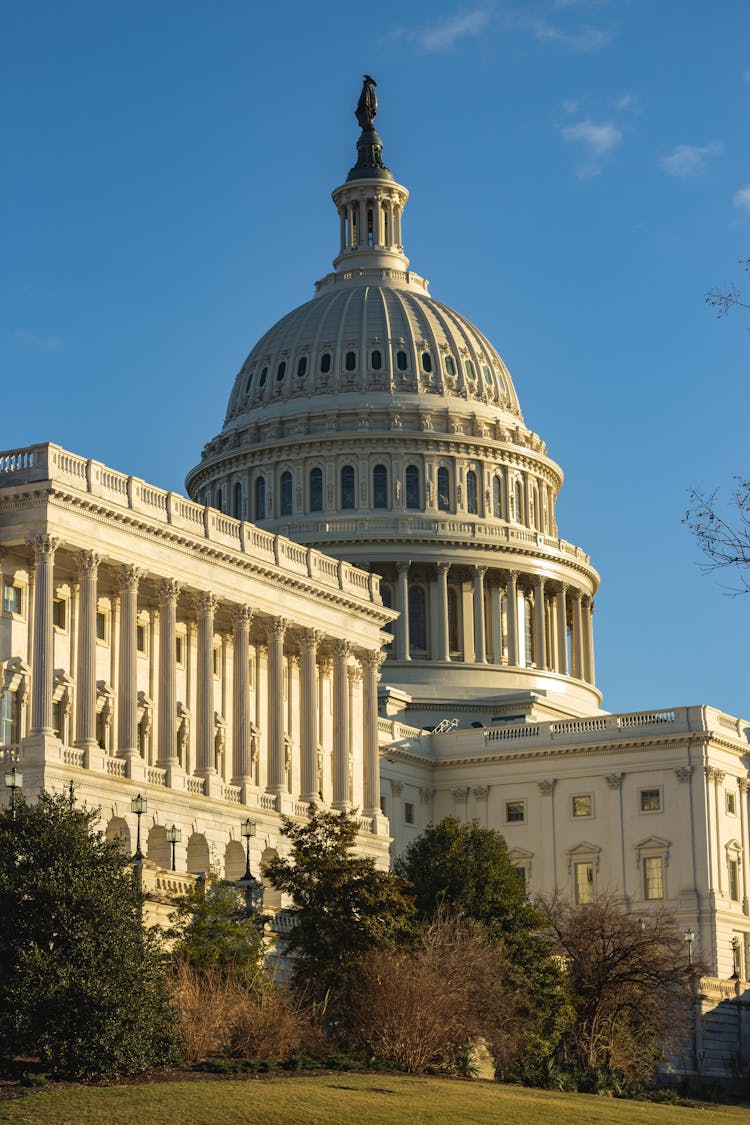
x: 402, y: 605
x: 589, y: 628
x: 443, y: 648
x: 309, y: 716
x: 340, y: 727
x: 127, y: 709
x: 577, y: 645
x: 512, y: 611
x: 480, y: 644
x: 242, y: 616
x: 88, y: 569
x: 371, y: 662
x: 43, y: 658
x: 540, y: 647
x: 169, y: 591
x: 276, y: 758
x: 205, y: 750
x: 562, y: 631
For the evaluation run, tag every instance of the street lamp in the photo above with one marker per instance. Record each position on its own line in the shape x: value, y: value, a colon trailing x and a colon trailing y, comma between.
x: 249, y: 828
x: 689, y: 937
x: 174, y: 836
x: 735, y: 944
x: 139, y: 805
x: 253, y: 888
x: 13, y: 781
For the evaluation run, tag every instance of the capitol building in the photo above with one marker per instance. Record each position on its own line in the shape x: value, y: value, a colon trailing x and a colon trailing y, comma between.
x: 365, y: 602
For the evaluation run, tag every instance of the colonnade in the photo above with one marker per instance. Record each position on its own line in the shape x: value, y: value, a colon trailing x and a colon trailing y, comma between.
x: 499, y: 616
x: 289, y: 705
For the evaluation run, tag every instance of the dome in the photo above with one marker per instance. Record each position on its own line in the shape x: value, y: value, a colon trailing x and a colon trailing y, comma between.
x: 381, y: 426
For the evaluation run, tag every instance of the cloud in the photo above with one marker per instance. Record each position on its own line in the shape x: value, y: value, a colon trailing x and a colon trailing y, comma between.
x: 689, y: 160
x: 443, y: 35
x: 597, y: 138
x: 741, y: 198
x: 585, y: 39
x: 448, y: 31
x: 39, y: 343
x: 628, y: 103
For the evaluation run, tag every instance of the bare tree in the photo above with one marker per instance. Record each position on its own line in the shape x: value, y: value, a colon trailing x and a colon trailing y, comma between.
x: 724, y: 539
x: 728, y: 296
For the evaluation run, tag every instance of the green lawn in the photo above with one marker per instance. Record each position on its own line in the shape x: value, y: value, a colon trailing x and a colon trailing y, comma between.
x: 365, y: 1099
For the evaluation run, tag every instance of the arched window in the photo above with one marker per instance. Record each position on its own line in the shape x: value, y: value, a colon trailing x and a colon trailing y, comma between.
x: 443, y: 490
x: 249, y: 383
x: 497, y: 498
x: 347, y: 487
x: 426, y: 362
x: 518, y: 502
x: 453, y: 645
x: 302, y: 367
x: 263, y: 377
x: 286, y: 494
x: 325, y: 363
x: 401, y: 361
x: 450, y: 365
x: 471, y: 492
x: 380, y: 487
x: 281, y: 372
x: 487, y: 374
x: 260, y: 498
x: 351, y: 361
x: 470, y: 369
x: 417, y: 631
x: 413, y: 497
x: 220, y: 499
x: 238, y: 501
x: 316, y: 490
x: 376, y: 360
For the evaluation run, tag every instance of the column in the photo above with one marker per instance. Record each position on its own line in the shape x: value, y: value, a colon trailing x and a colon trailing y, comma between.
x: 242, y: 615
x: 589, y: 632
x: 362, y: 227
x: 497, y: 628
x: 127, y: 694
x: 88, y: 570
x: 275, y: 778
x: 577, y: 639
x: 480, y: 643
x: 443, y: 643
x: 342, y: 229
x: 206, y: 605
x: 371, y: 662
x: 167, y: 749
x: 309, y: 716
x: 43, y: 656
x: 402, y: 605
x: 512, y: 610
x: 744, y: 786
x: 540, y: 647
x: 340, y: 727
x: 562, y: 631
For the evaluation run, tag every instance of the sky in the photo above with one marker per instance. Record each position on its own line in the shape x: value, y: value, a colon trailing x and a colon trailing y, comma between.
x: 579, y: 180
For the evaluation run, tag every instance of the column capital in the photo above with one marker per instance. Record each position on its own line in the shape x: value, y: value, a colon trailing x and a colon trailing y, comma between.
x: 354, y: 672
x: 614, y: 780
x: 169, y: 591
x: 546, y: 787
x: 277, y: 627
x: 206, y: 602
x: 403, y: 567
x: 683, y: 773
x: 540, y: 581
x: 513, y: 574
x: 341, y: 649
x: 371, y: 658
x: 44, y: 547
x: 241, y: 615
x: 443, y: 567
x: 744, y: 784
x: 129, y: 577
x: 88, y: 564
x: 714, y: 774
x: 480, y: 571
x: 562, y: 588
x: 576, y: 593
x: 310, y: 639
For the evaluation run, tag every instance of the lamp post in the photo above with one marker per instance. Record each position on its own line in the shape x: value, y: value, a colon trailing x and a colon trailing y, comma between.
x: 735, y: 945
x: 253, y: 888
x: 13, y: 781
x: 139, y: 805
x: 174, y: 836
x: 689, y: 937
x: 249, y: 828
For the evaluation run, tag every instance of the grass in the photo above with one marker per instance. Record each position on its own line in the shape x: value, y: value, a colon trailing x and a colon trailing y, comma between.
x: 339, y: 1099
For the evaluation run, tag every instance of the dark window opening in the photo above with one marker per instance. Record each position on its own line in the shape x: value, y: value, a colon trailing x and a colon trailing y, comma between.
x: 443, y: 490
x: 316, y: 490
x: 351, y: 361
x: 426, y: 361
x: 401, y: 361
x: 347, y: 487
x: 286, y: 494
x: 325, y: 363
x: 380, y: 487
x: 413, y: 497
x: 302, y: 367
x: 377, y: 361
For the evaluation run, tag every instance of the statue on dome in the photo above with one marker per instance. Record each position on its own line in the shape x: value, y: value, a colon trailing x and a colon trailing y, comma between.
x: 367, y: 106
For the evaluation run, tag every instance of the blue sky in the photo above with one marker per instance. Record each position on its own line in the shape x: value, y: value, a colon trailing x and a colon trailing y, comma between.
x: 579, y: 179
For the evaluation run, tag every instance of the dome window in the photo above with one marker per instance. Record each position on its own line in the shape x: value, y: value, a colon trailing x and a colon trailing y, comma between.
x: 401, y: 361
x: 487, y: 374
x: 260, y: 498
x: 249, y: 383
x: 263, y: 377
x: 497, y: 502
x: 380, y: 487
x: 413, y: 490
x: 470, y: 369
x: 286, y: 494
x: 325, y: 363
x: 347, y: 487
x: 370, y: 228
x: 471, y: 492
x: 443, y: 490
x: 417, y: 631
x: 376, y: 359
x: 238, y: 501
x: 281, y: 372
x: 302, y: 367
x: 316, y: 490
x: 426, y: 362
x: 450, y: 365
x: 351, y: 361
x: 220, y: 499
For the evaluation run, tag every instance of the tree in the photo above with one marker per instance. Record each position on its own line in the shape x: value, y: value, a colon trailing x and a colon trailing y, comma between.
x: 723, y: 539
x: 82, y: 986
x: 343, y: 905
x: 630, y: 980
x: 724, y: 300
x: 212, y: 930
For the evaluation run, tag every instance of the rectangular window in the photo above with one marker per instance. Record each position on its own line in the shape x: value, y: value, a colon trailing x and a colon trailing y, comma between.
x: 653, y: 877
x: 59, y: 613
x: 584, y: 882
x: 101, y: 626
x: 216, y: 662
x: 408, y: 812
x: 8, y: 712
x: 582, y: 805
x: 140, y: 634
x: 731, y: 804
x: 734, y: 883
x: 515, y: 812
x: 521, y: 873
x: 179, y: 649
x: 383, y: 806
x: 650, y: 800
x: 57, y: 719
x: 12, y: 598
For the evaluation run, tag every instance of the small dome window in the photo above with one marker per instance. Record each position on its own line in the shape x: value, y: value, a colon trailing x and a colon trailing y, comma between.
x: 376, y: 360
x: 263, y: 376
x: 351, y: 361
x: 426, y: 361
x: 302, y: 367
x: 450, y: 365
x: 325, y: 363
x: 249, y: 382
x: 470, y: 369
x: 281, y: 372
x: 401, y: 361
x: 487, y: 374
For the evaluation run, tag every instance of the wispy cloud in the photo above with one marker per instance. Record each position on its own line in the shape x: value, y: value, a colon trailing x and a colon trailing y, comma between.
x: 585, y: 39
x: 597, y: 139
x: 446, y: 33
x: 741, y: 198
x: 689, y: 160
x: 628, y: 103
x: 39, y: 343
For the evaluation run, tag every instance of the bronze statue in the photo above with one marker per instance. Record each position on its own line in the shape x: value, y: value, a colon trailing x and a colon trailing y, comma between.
x: 367, y: 106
